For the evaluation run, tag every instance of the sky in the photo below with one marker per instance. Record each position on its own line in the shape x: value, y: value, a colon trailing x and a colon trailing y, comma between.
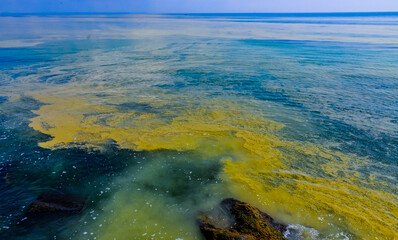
x: 197, y: 6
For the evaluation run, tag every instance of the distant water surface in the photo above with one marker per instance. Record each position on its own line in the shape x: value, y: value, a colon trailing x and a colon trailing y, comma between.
x: 155, y: 118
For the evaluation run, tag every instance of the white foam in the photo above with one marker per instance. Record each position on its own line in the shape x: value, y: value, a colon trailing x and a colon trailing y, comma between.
x: 298, y: 232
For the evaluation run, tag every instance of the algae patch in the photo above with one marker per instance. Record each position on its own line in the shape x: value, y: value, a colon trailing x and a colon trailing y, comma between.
x: 300, y: 183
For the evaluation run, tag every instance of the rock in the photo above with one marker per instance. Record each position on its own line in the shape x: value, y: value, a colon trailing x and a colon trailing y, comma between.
x: 51, y: 207
x: 245, y: 223
x: 56, y: 202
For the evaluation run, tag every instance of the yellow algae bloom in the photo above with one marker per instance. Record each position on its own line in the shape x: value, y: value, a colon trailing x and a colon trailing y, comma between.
x: 308, y: 198
x: 299, y: 183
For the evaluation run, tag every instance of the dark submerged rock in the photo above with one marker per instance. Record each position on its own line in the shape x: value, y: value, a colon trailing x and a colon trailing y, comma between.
x: 57, y: 202
x: 246, y: 223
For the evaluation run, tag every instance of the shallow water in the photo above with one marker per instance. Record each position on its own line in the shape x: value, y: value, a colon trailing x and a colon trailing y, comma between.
x: 155, y: 118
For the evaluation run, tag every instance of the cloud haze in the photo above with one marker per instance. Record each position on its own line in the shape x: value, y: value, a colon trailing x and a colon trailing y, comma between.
x: 198, y: 6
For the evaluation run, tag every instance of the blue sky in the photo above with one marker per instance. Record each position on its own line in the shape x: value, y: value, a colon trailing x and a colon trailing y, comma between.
x: 201, y: 6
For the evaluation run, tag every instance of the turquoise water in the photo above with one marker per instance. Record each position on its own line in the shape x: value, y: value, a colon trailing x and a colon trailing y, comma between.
x: 155, y: 118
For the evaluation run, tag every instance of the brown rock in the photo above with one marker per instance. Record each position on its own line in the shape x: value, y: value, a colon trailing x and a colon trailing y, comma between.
x: 56, y: 202
x: 245, y: 223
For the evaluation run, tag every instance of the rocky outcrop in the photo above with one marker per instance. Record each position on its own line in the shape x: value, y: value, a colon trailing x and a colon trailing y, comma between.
x: 245, y: 223
x: 56, y: 202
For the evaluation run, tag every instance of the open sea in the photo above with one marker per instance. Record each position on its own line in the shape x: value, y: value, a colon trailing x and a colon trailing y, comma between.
x: 155, y: 118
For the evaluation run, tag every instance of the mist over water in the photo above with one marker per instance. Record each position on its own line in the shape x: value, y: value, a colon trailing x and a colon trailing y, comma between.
x: 155, y: 118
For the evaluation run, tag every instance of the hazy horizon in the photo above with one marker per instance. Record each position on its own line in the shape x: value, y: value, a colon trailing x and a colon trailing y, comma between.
x: 196, y: 6
x: 193, y: 13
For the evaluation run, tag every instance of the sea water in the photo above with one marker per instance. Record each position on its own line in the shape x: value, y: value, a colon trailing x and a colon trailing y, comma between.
x: 155, y: 118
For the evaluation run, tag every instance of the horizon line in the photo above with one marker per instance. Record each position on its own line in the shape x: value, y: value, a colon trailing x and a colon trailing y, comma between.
x: 184, y: 13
